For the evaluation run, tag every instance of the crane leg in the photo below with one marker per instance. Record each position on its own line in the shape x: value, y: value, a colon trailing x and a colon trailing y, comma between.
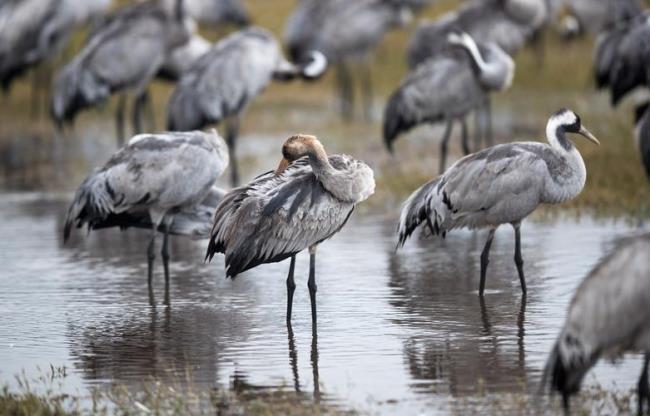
x: 151, y: 256
x: 464, y: 136
x: 138, y: 106
x: 485, y: 259
x: 149, y: 110
x: 345, y: 91
x: 489, y: 138
x: 643, y: 390
x: 368, y: 96
x: 444, y: 145
x: 164, y: 253
x: 311, y: 283
x: 232, y: 131
x: 291, y: 287
x: 519, y: 261
x: 119, y: 120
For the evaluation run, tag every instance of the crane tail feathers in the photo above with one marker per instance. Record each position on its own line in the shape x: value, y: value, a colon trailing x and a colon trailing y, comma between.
x: 417, y: 209
x: 92, y: 203
x: 395, y: 120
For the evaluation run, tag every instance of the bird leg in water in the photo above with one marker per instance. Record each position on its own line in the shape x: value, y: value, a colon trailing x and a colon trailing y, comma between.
x: 643, y: 390
x: 164, y: 252
x: 366, y: 84
x: 138, y: 105
x: 151, y: 256
x: 311, y: 283
x: 291, y: 287
x: 346, y: 95
x: 119, y: 120
x: 464, y: 136
x: 232, y: 131
x: 485, y: 259
x: 444, y: 145
x: 519, y: 261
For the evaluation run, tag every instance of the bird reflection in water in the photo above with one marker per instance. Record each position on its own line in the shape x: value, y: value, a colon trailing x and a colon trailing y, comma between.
x: 293, y: 361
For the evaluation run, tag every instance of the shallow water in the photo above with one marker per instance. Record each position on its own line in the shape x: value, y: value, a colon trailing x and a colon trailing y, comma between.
x: 397, y: 331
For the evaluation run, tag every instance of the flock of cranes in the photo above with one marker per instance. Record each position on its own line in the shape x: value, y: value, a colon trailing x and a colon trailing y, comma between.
x: 165, y: 182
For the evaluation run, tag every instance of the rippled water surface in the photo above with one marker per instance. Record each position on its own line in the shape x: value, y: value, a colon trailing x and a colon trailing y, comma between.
x: 396, y: 331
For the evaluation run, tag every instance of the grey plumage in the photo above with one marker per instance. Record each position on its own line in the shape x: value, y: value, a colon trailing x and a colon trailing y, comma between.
x: 345, y: 31
x: 223, y: 81
x: 500, y: 185
x: 33, y: 31
x: 508, y: 23
x: 595, y: 16
x: 282, y: 213
x: 447, y: 88
x: 154, y: 180
x: 607, y: 317
x: 218, y: 12
x: 123, y: 55
x: 622, y: 56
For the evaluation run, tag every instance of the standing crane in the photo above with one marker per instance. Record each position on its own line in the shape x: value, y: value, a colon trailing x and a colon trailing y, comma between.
x: 607, y: 317
x: 346, y: 32
x: 502, y: 184
x: 305, y: 201
x: 447, y: 88
x: 222, y: 82
x: 120, y: 57
x: 161, y: 181
x: 642, y: 134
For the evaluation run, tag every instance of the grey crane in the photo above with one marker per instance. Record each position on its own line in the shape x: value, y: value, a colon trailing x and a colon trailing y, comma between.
x: 596, y: 16
x: 622, y: 56
x: 502, y: 184
x: 218, y: 12
x: 642, y: 133
x: 446, y: 88
x: 607, y: 317
x: 161, y: 181
x: 32, y: 32
x: 346, y: 32
x: 223, y: 81
x: 307, y: 200
x: 508, y: 23
x: 121, y: 56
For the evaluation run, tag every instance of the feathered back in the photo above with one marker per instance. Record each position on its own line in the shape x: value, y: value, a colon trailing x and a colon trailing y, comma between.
x: 276, y: 216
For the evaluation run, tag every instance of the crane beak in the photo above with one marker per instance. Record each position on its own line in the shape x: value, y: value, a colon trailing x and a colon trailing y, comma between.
x: 587, y: 135
x: 284, y: 163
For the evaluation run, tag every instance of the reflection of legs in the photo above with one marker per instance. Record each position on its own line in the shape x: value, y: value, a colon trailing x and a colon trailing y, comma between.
x: 485, y: 259
x: 293, y: 358
x: 464, y: 136
x: 119, y: 120
x: 366, y: 84
x: 151, y: 256
x: 519, y: 261
x: 644, y: 391
x: 314, y: 362
x: 291, y: 287
x: 311, y: 283
x: 232, y: 131
x: 165, y: 257
x: 444, y: 145
x: 345, y: 91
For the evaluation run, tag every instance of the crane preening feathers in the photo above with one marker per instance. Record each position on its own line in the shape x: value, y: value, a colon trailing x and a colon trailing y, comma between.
x: 502, y: 184
x: 305, y: 201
